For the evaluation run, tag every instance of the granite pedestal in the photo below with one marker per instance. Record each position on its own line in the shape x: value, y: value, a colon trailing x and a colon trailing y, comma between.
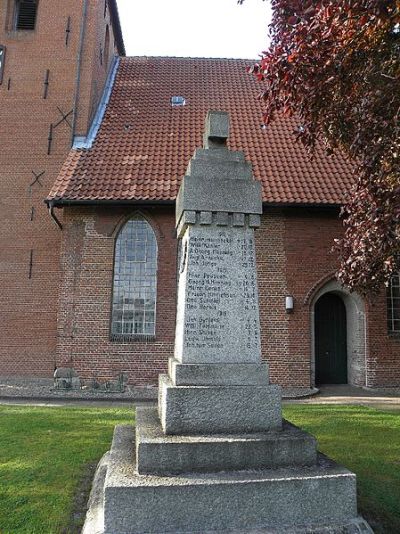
x: 158, y: 453
x: 320, y: 498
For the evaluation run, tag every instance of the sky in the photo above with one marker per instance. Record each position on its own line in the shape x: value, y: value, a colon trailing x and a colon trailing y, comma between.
x: 194, y: 28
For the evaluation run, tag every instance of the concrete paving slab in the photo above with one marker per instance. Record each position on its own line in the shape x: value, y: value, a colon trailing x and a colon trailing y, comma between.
x: 40, y: 392
x: 381, y: 399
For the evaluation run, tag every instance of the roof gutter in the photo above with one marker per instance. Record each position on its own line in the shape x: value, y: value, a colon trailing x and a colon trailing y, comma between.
x: 60, y: 202
x: 319, y: 205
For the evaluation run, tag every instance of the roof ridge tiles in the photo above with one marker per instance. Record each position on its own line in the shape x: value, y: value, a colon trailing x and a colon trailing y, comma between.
x: 208, y: 58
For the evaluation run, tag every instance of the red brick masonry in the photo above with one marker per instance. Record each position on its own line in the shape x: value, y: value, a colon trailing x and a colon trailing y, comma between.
x: 293, y: 256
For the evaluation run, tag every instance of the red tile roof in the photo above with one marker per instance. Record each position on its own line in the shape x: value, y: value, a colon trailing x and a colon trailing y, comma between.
x: 144, y: 145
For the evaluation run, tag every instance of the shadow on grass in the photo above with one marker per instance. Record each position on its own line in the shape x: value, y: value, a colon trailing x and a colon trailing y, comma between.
x: 54, y: 446
x: 80, y: 500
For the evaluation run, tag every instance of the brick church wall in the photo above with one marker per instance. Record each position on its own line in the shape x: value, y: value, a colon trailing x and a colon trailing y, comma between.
x: 310, y: 262
x: 308, y: 242
x: 293, y: 246
x: 95, y: 64
x: 29, y: 239
x: 85, y: 303
x: 294, y: 257
x: 384, y: 351
x: 271, y: 266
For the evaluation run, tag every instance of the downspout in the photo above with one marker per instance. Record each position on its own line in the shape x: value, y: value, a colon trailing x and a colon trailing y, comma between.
x: 78, y: 71
x: 52, y: 214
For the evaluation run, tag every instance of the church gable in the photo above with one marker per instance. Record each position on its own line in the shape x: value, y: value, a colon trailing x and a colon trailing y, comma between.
x: 153, y: 123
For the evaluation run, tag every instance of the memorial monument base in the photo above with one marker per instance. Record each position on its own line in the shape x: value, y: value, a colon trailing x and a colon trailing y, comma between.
x: 218, y: 374
x: 310, y: 499
x: 218, y: 409
x: 161, y: 454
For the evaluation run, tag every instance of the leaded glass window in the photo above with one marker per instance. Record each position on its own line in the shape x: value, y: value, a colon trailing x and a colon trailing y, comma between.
x: 135, y: 282
x: 393, y: 304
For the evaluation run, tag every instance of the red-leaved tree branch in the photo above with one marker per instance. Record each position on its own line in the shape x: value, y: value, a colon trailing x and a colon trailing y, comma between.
x: 336, y: 65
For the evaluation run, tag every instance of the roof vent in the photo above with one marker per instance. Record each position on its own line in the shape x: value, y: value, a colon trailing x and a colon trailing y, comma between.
x: 178, y: 101
x: 25, y: 16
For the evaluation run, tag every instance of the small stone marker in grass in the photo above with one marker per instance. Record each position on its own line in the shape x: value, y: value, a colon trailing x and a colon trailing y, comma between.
x: 216, y: 455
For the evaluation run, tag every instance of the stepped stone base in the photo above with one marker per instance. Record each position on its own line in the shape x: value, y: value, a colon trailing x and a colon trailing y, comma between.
x: 304, y: 500
x: 159, y: 454
x: 193, y: 410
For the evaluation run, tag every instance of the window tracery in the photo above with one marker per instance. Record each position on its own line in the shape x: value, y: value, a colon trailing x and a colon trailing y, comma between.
x: 135, y: 282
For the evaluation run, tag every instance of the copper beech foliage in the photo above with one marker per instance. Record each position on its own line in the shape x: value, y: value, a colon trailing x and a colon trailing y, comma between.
x: 336, y: 66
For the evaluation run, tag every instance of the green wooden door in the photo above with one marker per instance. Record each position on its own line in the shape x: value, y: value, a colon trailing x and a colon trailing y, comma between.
x: 330, y: 340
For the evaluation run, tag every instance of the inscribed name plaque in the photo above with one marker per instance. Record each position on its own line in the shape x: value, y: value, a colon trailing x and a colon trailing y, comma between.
x: 217, y: 316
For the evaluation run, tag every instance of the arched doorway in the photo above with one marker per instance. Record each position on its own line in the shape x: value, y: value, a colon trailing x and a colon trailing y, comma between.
x: 330, y: 323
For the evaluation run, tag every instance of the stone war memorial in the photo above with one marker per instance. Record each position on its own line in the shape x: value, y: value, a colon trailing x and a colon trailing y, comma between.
x: 216, y: 456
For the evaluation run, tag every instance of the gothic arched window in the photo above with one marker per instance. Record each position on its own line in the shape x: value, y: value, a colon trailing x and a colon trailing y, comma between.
x: 135, y: 282
x: 393, y: 305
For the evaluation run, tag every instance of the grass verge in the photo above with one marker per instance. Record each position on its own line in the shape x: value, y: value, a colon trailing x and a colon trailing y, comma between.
x: 366, y: 441
x: 48, y: 455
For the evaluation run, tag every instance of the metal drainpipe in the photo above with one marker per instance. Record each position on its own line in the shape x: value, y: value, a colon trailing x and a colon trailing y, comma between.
x: 78, y: 71
x: 53, y: 216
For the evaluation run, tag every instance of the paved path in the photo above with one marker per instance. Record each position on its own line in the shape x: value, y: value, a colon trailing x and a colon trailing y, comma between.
x: 344, y: 394
x: 73, y: 403
x: 380, y: 399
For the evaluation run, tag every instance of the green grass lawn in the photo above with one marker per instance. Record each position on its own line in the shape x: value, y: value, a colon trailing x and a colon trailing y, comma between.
x: 367, y: 441
x: 47, y: 457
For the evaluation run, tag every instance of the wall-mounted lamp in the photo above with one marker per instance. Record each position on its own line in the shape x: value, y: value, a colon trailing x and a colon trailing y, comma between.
x: 289, y: 303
